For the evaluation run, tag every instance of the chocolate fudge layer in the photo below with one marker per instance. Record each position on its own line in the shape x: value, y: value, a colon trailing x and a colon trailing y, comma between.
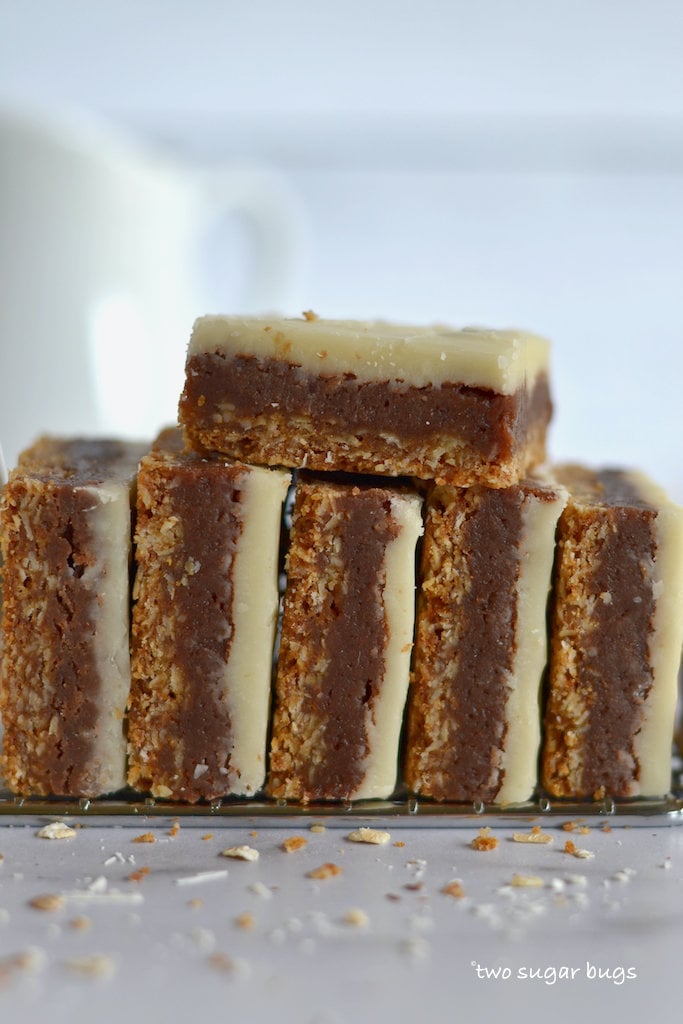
x: 474, y: 704
x: 204, y: 617
x: 347, y: 634
x: 459, y: 407
x: 65, y: 675
x: 616, y: 636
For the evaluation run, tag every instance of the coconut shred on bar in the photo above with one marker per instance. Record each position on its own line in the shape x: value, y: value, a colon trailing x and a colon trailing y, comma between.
x: 457, y: 406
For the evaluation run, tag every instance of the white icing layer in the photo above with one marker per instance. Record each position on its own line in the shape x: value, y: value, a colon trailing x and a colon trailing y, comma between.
x: 652, y: 745
x: 254, y: 612
x: 500, y: 360
x: 384, y: 722
x: 109, y: 582
x: 519, y: 760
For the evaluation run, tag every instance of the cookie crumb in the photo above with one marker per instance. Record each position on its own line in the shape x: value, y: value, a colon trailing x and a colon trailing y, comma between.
x: 454, y: 889
x: 80, y: 923
x: 56, y: 830
x: 137, y: 876
x: 146, y: 837
x: 245, y: 921
x: 293, y: 843
x: 537, y: 835
x: 526, y: 881
x: 484, y: 840
x: 317, y: 828
x: 241, y: 853
x: 47, y: 901
x: 308, y: 314
x: 356, y: 917
x: 325, y: 871
x: 575, y: 851
x: 369, y: 835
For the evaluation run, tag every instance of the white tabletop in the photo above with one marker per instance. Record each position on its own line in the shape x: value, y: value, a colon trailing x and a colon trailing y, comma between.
x: 170, y: 929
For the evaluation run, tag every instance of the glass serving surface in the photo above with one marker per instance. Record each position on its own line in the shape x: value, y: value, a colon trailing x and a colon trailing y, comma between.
x: 128, y: 807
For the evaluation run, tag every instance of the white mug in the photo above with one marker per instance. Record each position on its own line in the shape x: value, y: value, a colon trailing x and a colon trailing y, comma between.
x: 102, y: 248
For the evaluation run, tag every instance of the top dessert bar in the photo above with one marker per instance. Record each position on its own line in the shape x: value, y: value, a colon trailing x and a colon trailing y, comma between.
x: 457, y: 406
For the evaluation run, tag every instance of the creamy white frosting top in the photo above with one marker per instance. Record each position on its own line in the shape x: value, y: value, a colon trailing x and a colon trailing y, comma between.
x: 500, y: 360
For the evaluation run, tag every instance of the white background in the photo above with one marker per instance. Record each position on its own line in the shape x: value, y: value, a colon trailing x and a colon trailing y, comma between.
x: 498, y: 163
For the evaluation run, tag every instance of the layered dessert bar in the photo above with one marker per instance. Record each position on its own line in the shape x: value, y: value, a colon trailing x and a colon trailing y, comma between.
x: 616, y: 635
x: 65, y: 671
x: 474, y: 707
x: 347, y: 635
x: 459, y: 407
x: 206, y: 601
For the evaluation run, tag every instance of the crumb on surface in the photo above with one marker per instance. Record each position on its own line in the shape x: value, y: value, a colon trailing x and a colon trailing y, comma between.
x: 328, y: 870
x: 454, y: 888
x: 138, y: 875
x: 308, y: 314
x: 241, y: 853
x: 356, y: 917
x: 245, y: 921
x: 526, y: 881
x: 81, y: 923
x: 484, y: 840
x: 47, y: 901
x: 146, y: 837
x: 369, y: 835
x: 317, y: 828
x: 573, y: 850
x: 56, y: 830
x: 293, y: 843
x: 537, y: 835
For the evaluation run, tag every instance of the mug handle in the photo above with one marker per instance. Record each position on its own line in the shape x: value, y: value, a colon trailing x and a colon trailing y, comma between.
x: 276, y: 216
